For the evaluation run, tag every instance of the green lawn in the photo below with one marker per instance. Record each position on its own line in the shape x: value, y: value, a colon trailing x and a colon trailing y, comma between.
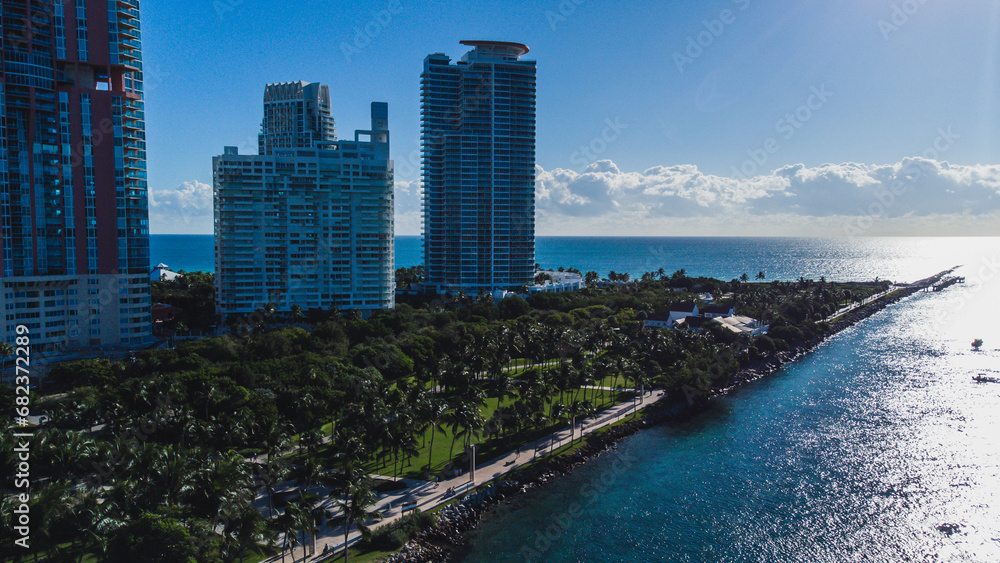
x: 416, y: 467
x: 614, y: 381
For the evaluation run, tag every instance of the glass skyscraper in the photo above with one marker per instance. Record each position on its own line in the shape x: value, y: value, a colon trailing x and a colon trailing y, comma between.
x: 478, y: 151
x: 74, y: 233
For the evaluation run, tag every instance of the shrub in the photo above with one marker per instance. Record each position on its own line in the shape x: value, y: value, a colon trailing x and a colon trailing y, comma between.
x: 395, y: 535
x: 789, y: 334
x: 513, y: 307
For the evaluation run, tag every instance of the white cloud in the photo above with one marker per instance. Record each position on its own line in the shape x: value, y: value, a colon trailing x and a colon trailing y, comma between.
x: 914, y: 196
x: 407, y: 202
x: 181, y: 210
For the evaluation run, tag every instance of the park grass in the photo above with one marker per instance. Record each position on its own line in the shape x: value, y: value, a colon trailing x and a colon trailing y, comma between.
x: 415, y: 467
x: 443, y: 456
x: 486, y: 449
x: 615, y: 381
x: 358, y: 553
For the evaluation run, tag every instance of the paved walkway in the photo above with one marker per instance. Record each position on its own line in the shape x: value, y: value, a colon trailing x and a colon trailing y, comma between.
x: 855, y: 304
x: 426, y: 495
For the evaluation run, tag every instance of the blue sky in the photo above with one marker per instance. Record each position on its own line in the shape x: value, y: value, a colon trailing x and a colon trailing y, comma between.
x: 715, y: 117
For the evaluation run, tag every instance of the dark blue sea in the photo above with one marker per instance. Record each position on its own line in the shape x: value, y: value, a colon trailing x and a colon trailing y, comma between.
x: 725, y: 258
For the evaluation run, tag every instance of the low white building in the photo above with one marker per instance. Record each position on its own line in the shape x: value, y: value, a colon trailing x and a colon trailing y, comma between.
x: 714, y: 311
x: 680, y: 311
x: 560, y: 282
x: 658, y: 320
x: 162, y: 273
x: 743, y: 325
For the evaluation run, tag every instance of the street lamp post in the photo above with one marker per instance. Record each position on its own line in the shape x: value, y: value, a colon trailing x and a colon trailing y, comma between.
x: 472, y: 463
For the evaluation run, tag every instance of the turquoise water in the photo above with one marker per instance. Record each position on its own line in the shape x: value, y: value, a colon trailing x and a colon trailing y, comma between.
x: 898, y: 259
x: 863, y: 451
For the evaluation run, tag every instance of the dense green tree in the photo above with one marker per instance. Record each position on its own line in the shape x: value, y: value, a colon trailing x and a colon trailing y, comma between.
x: 513, y: 306
x: 153, y: 538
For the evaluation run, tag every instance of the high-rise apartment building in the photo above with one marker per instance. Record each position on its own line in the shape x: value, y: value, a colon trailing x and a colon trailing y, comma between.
x: 74, y: 232
x: 478, y: 150
x: 296, y: 115
x: 309, y: 221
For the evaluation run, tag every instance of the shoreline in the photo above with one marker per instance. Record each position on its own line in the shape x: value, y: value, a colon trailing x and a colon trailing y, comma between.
x: 448, y: 542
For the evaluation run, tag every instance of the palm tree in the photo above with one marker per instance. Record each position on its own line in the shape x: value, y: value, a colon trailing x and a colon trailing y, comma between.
x: 528, y: 336
x: 50, y: 509
x: 268, y: 311
x: 434, y: 416
x: 760, y: 275
x: 401, y: 440
x: 556, y: 412
x: 576, y: 409
x: 245, y: 530
x: 6, y: 350
x: 271, y: 473
x: 95, y: 521
x: 286, y: 526
x: 318, y: 516
x: 453, y: 419
x: 307, y: 515
x: 165, y: 472
x: 355, y: 508
x: 469, y: 415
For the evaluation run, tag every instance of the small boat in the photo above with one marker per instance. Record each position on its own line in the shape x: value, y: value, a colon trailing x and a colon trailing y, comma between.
x: 981, y: 378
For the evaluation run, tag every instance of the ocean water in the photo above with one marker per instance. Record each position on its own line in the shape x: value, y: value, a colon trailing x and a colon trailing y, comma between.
x: 191, y: 253
x: 877, y: 447
x: 898, y: 259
